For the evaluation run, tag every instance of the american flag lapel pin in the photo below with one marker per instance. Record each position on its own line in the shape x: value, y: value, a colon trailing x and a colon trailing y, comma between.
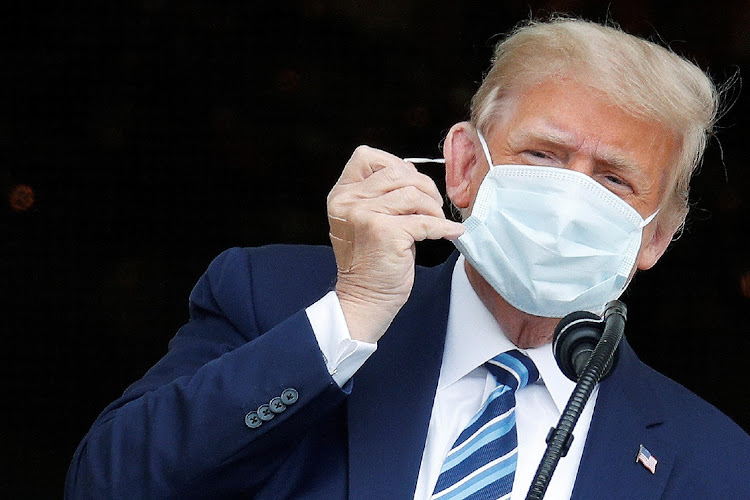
x: 647, y: 459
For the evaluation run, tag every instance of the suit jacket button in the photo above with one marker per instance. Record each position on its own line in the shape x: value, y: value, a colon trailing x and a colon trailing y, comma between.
x: 265, y: 413
x: 252, y: 420
x: 277, y: 405
x: 289, y: 396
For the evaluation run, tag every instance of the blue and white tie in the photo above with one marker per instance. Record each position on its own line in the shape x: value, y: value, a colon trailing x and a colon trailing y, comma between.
x: 482, y: 462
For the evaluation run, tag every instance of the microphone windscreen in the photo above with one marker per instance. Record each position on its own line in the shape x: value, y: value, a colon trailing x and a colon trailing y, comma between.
x: 575, y: 338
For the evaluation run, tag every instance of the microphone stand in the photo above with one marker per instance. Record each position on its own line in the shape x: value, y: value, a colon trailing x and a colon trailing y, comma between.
x: 561, y: 436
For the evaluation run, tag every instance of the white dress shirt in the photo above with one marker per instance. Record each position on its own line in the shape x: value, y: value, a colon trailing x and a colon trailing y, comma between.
x: 473, y: 337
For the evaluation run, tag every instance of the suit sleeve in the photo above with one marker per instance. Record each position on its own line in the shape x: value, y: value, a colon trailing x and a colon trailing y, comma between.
x: 186, y: 418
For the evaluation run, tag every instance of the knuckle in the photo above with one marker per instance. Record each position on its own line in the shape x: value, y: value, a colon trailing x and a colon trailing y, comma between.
x: 334, y: 201
x: 358, y: 217
x: 410, y: 194
x: 332, y: 196
x: 421, y: 228
x: 393, y: 175
x: 361, y: 151
x: 339, y: 203
x: 372, y: 225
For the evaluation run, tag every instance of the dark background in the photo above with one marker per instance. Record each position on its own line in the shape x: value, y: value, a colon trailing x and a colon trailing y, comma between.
x: 154, y: 134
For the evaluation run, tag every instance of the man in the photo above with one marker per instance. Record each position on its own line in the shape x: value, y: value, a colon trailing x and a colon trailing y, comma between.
x: 310, y: 374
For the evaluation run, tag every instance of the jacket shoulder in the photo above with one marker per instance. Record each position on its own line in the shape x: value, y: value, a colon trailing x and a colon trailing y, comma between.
x: 690, y: 410
x: 712, y: 451
x: 263, y: 285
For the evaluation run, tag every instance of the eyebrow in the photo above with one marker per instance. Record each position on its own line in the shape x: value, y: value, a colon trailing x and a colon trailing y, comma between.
x: 618, y: 161
x: 558, y: 137
x: 549, y: 134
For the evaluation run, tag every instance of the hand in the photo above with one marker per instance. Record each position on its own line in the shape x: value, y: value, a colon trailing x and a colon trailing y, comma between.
x: 380, y: 206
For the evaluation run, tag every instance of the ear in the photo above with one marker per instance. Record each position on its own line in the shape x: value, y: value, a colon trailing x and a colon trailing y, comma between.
x: 654, y: 246
x: 462, y: 164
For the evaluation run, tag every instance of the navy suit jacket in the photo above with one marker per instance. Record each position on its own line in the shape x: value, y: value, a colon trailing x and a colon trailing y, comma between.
x: 180, y: 431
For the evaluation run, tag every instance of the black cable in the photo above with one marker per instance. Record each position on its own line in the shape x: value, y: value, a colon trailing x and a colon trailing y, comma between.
x: 560, y: 437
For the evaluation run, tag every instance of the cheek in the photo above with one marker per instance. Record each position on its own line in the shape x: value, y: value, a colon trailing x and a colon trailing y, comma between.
x: 646, y: 237
x: 476, y: 181
x: 473, y: 189
x: 651, y: 247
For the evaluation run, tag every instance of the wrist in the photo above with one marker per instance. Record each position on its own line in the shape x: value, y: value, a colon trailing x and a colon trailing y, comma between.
x: 366, y: 318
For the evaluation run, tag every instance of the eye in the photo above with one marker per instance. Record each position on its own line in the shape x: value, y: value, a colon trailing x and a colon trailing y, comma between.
x: 538, y: 154
x: 539, y: 157
x: 616, y: 184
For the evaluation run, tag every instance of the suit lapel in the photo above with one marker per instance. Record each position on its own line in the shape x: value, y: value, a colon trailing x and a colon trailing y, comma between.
x: 391, y: 402
x: 627, y: 414
x: 392, y: 395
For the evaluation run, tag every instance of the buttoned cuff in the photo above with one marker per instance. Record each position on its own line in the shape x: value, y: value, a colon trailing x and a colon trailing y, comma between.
x: 343, y: 355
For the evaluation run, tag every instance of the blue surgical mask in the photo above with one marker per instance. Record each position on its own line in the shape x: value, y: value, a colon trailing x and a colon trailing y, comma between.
x: 550, y: 240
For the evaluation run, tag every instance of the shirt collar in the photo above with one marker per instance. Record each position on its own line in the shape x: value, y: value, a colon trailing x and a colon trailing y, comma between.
x: 473, y: 337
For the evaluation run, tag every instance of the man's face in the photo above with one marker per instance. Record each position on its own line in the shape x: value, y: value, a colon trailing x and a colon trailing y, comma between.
x: 564, y: 124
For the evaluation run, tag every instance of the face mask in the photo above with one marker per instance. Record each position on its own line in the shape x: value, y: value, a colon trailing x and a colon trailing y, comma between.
x: 549, y: 240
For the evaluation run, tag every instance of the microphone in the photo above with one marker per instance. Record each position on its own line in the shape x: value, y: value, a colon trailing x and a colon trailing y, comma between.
x: 574, y: 340
x: 574, y: 337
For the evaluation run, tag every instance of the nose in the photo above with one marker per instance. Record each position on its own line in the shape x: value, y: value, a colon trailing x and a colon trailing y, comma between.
x: 581, y: 163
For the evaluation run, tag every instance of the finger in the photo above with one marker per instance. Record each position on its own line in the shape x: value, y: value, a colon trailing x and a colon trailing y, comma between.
x: 403, y: 201
x: 425, y: 227
x: 365, y: 161
x: 396, y: 177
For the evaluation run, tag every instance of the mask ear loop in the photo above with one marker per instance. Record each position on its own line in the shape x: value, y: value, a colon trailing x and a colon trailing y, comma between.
x: 442, y: 160
x: 648, y: 219
x: 424, y: 160
x: 485, y: 149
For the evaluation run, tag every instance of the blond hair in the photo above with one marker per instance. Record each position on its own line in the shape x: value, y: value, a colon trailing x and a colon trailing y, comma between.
x: 643, y: 78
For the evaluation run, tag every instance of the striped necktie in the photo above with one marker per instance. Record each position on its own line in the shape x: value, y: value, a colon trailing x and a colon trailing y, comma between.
x: 482, y: 462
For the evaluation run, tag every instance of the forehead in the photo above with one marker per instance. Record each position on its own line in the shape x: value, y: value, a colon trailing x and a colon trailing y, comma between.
x: 565, y: 113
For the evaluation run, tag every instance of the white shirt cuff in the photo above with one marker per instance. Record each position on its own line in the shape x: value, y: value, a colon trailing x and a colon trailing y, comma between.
x: 343, y: 355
